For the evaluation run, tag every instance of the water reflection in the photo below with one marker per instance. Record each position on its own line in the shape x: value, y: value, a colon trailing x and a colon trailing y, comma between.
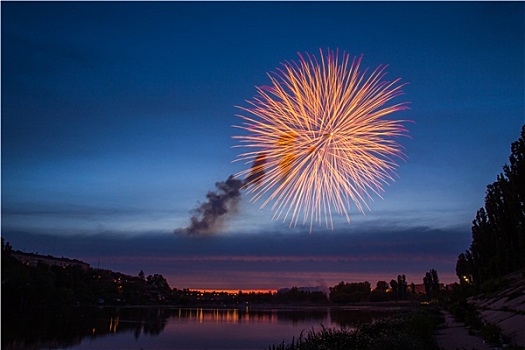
x: 53, y: 329
x: 71, y: 328
x: 268, y: 316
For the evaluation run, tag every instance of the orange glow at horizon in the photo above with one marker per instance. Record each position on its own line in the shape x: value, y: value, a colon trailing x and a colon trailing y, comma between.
x: 234, y: 291
x: 326, y: 144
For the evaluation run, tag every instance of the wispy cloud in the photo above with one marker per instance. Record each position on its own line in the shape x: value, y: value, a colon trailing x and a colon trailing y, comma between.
x: 262, y: 260
x: 281, y: 259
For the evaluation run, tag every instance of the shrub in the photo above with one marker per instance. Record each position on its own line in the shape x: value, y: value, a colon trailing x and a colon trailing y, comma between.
x: 405, y: 331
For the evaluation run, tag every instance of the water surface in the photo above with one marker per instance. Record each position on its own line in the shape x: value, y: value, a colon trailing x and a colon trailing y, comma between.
x: 176, y: 328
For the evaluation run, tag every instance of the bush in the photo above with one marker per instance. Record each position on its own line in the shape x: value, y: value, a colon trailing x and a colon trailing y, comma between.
x: 491, y: 333
x: 405, y: 331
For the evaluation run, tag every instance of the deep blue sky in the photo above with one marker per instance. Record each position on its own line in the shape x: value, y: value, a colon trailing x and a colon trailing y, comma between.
x: 116, y: 121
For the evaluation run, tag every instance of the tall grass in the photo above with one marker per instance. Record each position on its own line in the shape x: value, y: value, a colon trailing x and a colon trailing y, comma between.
x: 409, y: 330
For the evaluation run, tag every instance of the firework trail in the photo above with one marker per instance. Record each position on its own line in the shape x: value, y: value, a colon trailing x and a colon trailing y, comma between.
x: 317, y: 139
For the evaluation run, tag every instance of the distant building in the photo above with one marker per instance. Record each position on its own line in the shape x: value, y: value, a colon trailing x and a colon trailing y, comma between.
x: 32, y: 259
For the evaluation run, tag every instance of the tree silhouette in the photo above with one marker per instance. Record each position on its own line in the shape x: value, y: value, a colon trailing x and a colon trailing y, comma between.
x: 401, y: 287
x: 394, y: 285
x: 431, y: 282
x: 382, y: 285
x: 349, y: 292
x: 498, y: 230
x: 159, y: 283
x: 142, y: 276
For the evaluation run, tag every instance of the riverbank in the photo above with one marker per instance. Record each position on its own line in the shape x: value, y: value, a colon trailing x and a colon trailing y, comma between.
x: 505, y: 308
x: 410, y: 329
x: 494, y: 310
x: 454, y: 335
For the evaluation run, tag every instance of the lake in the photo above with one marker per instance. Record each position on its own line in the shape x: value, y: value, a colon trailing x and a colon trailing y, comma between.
x: 175, y: 327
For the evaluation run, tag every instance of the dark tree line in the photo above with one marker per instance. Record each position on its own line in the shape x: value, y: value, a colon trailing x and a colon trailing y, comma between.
x: 431, y: 283
x: 27, y: 287
x: 350, y: 292
x: 399, y: 287
x: 498, y: 230
x: 395, y: 290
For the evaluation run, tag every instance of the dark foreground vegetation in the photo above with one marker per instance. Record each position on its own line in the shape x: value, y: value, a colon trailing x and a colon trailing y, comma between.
x: 410, y: 329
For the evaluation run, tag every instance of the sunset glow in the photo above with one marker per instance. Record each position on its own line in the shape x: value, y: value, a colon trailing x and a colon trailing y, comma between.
x: 236, y: 291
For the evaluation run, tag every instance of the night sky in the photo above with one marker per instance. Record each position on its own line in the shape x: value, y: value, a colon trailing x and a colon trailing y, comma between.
x: 117, y: 119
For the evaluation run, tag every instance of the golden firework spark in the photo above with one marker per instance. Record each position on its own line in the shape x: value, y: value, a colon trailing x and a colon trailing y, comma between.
x: 318, y: 140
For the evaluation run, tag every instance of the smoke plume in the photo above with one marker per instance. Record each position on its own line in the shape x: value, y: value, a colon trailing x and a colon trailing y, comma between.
x: 257, y: 171
x: 209, y: 216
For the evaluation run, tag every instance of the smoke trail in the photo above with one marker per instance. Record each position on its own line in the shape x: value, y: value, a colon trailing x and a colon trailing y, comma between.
x: 257, y: 171
x: 209, y: 216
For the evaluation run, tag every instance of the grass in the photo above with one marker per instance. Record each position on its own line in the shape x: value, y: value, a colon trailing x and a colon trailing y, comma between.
x: 408, y: 330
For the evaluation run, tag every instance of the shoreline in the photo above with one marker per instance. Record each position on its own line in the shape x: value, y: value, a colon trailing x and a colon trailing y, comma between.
x: 347, y: 306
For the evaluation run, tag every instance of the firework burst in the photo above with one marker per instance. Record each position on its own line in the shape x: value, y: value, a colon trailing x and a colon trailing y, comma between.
x: 317, y: 138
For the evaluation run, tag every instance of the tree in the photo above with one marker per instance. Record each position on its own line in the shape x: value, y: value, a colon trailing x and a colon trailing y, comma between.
x: 349, y: 292
x: 435, y: 282
x: 498, y: 230
x: 464, y: 268
x: 380, y: 292
x: 431, y: 282
x: 382, y: 285
x: 401, y: 287
x: 427, y: 282
x: 159, y: 284
x: 394, y: 285
x: 6, y: 248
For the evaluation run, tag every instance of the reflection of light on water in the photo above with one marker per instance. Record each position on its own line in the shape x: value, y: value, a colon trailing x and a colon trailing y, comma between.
x: 113, y: 324
x: 233, y: 316
x: 203, y: 315
x: 210, y: 328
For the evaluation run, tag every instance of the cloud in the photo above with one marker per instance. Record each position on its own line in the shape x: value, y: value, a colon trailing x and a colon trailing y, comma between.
x: 271, y: 260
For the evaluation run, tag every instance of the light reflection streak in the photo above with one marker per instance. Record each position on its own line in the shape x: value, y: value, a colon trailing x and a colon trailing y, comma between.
x: 216, y: 315
x: 113, y: 324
